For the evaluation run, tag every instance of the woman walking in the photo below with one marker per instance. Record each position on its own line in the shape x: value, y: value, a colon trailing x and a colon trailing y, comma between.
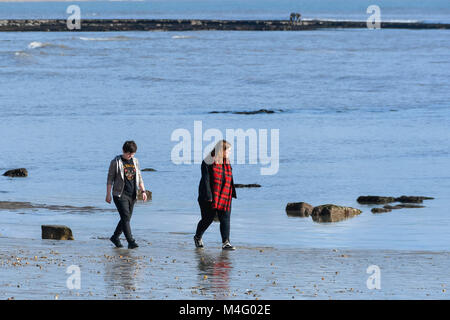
x: 124, y: 179
x: 215, y: 191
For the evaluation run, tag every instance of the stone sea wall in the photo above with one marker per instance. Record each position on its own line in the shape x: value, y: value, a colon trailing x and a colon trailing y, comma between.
x: 197, y: 25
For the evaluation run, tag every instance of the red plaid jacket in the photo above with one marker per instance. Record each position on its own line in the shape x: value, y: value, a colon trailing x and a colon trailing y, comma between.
x: 206, y: 185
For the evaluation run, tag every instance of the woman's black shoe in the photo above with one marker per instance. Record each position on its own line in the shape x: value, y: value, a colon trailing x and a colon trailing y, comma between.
x: 132, y: 245
x: 198, y: 242
x: 227, y: 246
x: 116, y: 242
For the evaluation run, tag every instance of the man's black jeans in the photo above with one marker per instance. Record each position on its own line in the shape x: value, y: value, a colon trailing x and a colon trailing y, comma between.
x: 124, y: 205
x: 208, y: 214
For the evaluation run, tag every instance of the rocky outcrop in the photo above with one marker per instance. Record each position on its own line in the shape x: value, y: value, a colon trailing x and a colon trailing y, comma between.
x: 269, y: 111
x: 251, y: 185
x: 380, y: 210
x: 333, y: 213
x: 56, y: 232
x: 89, y: 25
x: 401, y: 206
x: 21, y: 172
x: 299, y: 209
x: 375, y: 199
x: 383, y: 200
x: 148, y: 170
x: 412, y: 199
x: 149, y: 195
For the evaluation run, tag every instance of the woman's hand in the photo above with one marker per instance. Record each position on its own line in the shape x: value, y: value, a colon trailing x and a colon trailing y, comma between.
x: 144, y: 196
x: 108, y: 198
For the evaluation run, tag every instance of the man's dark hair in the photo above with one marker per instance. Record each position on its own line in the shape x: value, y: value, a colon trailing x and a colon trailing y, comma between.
x: 129, y: 146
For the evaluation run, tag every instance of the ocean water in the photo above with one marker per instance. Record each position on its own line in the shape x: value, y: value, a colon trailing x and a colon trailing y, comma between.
x: 413, y: 10
x: 364, y: 112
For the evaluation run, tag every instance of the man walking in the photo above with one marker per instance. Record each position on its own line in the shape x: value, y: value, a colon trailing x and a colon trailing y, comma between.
x: 124, y: 179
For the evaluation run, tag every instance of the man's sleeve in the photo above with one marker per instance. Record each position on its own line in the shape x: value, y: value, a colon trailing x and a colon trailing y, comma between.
x: 111, y: 173
x: 139, y: 172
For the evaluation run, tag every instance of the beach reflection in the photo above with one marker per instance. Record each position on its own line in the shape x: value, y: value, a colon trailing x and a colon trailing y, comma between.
x: 121, y: 274
x: 216, y: 268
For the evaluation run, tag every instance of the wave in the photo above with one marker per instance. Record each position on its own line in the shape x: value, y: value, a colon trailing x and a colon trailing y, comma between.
x: 116, y: 38
x: 182, y: 37
x: 21, y: 54
x: 37, y: 44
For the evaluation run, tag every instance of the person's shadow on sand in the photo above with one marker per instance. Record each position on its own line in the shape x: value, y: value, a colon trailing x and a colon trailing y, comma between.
x: 214, y: 273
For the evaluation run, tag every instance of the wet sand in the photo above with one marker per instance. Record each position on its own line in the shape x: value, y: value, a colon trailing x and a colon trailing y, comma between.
x: 167, y: 266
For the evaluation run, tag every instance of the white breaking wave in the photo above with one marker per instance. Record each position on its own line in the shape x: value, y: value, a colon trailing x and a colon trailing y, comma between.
x: 21, y: 54
x: 36, y: 44
x: 118, y: 38
x: 182, y: 37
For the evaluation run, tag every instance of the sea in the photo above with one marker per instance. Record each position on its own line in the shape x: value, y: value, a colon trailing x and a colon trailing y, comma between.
x: 357, y: 111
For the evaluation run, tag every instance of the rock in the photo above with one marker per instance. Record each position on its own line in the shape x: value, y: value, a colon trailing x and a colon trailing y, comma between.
x: 254, y: 112
x: 299, y: 209
x: 380, y: 210
x: 251, y: 185
x: 401, y: 206
x: 148, y: 169
x: 268, y: 111
x: 375, y: 199
x: 56, y: 232
x: 333, y: 213
x: 22, y: 172
x: 149, y: 195
x: 412, y: 199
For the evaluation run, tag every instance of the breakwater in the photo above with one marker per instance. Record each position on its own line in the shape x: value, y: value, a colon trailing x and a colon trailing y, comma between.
x: 198, y: 25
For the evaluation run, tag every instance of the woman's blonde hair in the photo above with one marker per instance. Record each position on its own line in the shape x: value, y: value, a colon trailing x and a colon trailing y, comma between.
x: 217, y: 154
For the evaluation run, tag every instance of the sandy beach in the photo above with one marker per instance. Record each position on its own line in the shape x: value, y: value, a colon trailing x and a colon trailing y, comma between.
x: 167, y: 266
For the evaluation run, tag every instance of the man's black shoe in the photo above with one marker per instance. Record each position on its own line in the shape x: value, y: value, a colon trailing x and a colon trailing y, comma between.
x: 132, y: 245
x: 116, y: 242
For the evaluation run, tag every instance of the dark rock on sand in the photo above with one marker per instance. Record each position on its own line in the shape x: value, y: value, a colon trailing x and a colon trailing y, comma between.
x: 375, y: 199
x: 149, y: 195
x: 299, y: 209
x: 412, y: 199
x: 56, y: 232
x: 380, y: 210
x: 251, y: 185
x: 401, y: 206
x: 21, y: 172
x: 148, y: 169
x: 333, y: 213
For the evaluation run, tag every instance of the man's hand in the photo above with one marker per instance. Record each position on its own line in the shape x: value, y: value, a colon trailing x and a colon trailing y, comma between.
x: 108, y: 198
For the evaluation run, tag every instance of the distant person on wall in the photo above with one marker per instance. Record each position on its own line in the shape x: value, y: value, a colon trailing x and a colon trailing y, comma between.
x: 215, y: 191
x: 124, y: 179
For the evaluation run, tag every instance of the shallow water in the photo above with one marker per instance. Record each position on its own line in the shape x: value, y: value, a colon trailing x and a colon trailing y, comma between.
x: 172, y: 269
x: 365, y: 112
